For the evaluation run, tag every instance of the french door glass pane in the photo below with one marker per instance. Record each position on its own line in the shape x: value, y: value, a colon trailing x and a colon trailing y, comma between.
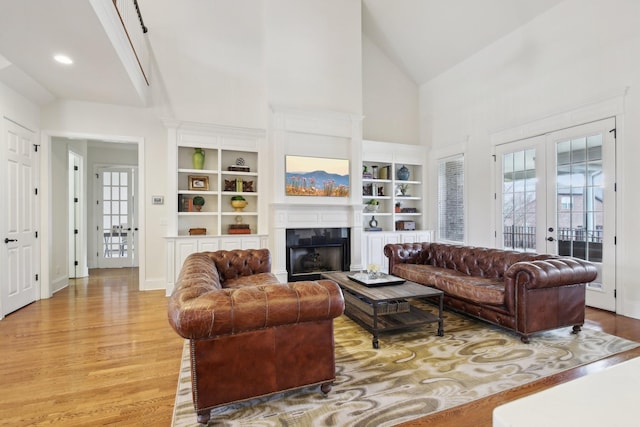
x: 579, y: 193
x: 519, y: 200
x: 115, y: 193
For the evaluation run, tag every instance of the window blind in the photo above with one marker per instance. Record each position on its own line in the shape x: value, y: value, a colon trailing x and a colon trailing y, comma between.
x: 451, y: 199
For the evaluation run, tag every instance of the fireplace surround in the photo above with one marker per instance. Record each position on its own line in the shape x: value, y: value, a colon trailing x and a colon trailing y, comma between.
x: 312, y: 251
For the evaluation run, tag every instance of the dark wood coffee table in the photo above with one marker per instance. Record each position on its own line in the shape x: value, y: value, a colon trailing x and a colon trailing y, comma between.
x: 386, y: 308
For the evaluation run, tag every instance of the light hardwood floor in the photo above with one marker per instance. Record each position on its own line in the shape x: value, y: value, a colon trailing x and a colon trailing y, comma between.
x: 98, y: 353
x: 102, y: 353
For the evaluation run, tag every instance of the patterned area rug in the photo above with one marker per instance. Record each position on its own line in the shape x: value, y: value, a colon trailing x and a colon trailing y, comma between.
x: 414, y: 373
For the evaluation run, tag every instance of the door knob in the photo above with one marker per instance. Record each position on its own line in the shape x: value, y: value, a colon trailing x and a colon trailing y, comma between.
x: 551, y: 239
x: 7, y: 240
x: 550, y: 229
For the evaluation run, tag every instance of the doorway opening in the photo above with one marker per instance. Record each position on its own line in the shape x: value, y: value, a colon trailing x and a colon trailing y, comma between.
x: 60, y: 242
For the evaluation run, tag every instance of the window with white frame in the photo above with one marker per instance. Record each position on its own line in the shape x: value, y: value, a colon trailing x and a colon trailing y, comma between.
x: 451, y: 199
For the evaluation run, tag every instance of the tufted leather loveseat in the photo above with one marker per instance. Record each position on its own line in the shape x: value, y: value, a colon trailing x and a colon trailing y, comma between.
x: 250, y: 335
x: 523, y: 292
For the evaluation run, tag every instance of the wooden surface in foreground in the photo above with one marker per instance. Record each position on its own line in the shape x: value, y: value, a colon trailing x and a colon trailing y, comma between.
x: 101, y: 352
x: 98, y: 353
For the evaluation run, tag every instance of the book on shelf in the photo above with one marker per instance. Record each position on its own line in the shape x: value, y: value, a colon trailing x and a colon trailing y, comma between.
x: 185, y: 204
x: 373, y: 229
x: 238, y: 226
x: 239, y: 231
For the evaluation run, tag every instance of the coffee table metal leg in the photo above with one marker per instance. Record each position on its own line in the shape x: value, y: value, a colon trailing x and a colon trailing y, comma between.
x: 440, y: 319
x: 374, y: 342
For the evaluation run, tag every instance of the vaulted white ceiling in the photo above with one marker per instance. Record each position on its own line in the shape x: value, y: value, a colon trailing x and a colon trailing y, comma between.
x: 427, y: 37
x: 424, y: 37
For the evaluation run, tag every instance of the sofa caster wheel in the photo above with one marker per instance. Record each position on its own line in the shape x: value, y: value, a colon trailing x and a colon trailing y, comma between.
x: 203, y: 417
x: 525, y: 339
x: 576, y: 329
x: 375, y: 344
x: 326, y: 387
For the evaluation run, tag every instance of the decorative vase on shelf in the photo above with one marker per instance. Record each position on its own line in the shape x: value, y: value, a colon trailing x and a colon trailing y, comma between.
x: 238, y: 204
x: 403, y: 173
x: 198, y: 158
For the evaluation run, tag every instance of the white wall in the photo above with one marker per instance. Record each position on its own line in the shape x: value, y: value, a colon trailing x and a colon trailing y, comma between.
x: 203, y: 79
x: 579, y: 52
x: 389, y: 98
x: 17, y: 108
x: 313, y: 54
x: 59, y: 263
x: 125, y: 123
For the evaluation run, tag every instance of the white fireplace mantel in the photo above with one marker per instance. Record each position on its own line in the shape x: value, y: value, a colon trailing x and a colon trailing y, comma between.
x: 314, y: 214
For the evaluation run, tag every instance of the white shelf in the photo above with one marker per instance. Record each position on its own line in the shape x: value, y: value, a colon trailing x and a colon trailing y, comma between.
x: 239, y: 213
x: 238, y: 173
x: 198, y: 171
x: 198, y: 192
x: 222, y: 147
x: 388, y: 158
x: 197, y: 213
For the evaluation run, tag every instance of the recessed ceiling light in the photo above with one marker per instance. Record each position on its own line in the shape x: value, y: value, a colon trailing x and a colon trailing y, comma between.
x: 63, y: 59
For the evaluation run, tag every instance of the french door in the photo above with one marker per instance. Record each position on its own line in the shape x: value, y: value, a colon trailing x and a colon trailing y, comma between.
x: 556, y: 194
x: 116, y: 217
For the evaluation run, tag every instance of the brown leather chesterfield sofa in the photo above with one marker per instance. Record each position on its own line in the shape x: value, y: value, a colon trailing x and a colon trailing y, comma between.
x: 250, y: 335
x: 522, y: 292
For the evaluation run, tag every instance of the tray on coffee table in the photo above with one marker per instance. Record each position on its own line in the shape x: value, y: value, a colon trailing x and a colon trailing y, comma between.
x: 383, y: 280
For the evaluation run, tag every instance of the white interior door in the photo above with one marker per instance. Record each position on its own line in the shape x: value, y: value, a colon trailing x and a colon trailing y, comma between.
x: 551, y: 193
x: 116, y: 217
x: 77, y: 229
x: 20, y: 251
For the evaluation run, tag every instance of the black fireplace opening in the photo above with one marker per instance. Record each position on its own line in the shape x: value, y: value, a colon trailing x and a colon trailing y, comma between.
x: 312, y: 251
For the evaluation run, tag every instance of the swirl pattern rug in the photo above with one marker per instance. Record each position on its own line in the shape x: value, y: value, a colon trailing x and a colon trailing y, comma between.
x: 414, y: 373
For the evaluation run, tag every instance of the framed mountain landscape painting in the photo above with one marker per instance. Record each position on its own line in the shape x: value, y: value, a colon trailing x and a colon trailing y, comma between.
x: 316, y: 176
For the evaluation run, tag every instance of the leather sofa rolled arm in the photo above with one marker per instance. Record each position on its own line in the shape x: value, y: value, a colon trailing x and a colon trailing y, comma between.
x: 407, y: 253
x: 552, y: 272
x: 197, y: 315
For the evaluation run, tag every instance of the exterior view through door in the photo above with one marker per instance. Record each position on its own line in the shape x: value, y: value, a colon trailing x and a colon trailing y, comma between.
x: 556, y: 194
x: 116, y: 217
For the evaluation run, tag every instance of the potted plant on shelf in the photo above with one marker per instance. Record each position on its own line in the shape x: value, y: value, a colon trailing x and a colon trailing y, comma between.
x: 238, y: 203
x: 403, y: 190
x: 372, y: 205
x: 198, y: 202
